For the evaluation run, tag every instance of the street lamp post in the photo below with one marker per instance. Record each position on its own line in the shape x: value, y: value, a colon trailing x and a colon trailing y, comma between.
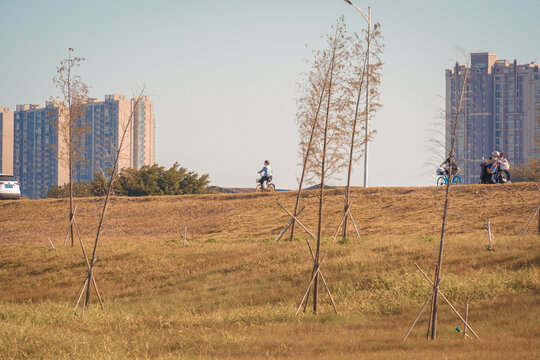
x: 367, y: 17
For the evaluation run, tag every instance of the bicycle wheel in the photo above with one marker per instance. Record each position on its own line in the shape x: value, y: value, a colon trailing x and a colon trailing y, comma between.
x: 271, y: 188
x: 258, y: 188
x: 503, y: 177
x: 456, y: 180
x: 441, y: 181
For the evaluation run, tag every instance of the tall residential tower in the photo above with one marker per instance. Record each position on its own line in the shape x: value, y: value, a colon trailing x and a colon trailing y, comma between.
x: 6, y: 141
x: 500, y: 106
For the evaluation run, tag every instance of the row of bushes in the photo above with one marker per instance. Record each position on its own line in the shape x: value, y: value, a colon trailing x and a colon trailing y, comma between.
x: 148, y: 180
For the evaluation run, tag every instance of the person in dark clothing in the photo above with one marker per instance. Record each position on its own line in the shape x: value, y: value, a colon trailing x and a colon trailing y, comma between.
x: 450, y: 164
x: 485, y: 176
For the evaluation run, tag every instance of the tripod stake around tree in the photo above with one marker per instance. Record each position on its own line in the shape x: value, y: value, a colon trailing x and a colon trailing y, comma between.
x: 316, y: 269
x: 184, y: 238
x: 349, y: 215
x: 286, y: 227
x: 70, y: 226
x: 437, y: 290
x: 89, y: 276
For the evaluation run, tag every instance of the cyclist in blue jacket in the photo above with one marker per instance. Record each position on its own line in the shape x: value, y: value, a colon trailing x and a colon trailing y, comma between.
x: 266, y: 172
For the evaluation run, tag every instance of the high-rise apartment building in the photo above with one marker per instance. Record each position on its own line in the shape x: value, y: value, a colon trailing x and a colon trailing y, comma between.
x: 500, y: 106
x: 35, y: 149
x: 6, y: 141
x: 143, y: 132
x: 105, y: 121
x: 39, y: 146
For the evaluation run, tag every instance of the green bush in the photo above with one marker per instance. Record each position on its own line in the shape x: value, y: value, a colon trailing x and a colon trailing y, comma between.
x: 148, y: 180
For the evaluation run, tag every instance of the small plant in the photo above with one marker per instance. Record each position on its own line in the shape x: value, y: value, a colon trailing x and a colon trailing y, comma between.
x: 211, y: 240
x: 344, y: 241
x: 428, y: 238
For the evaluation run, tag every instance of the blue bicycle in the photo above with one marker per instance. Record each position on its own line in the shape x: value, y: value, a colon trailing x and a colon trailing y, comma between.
x: 443, y: 178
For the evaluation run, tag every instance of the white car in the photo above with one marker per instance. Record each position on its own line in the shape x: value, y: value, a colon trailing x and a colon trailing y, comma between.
x: 9, y: 187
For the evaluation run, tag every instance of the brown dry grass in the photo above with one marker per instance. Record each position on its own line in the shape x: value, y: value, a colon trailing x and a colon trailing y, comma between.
x: 234, y: 292
x: 378, y: 212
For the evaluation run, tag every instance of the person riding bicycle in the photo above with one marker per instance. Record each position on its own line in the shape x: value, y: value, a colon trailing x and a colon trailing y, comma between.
x: 501, y: 164
x: 505, y: 166
x: 450, y: 163
x: 266, y: 172
x: 492, y: 164
x: 485, y: 177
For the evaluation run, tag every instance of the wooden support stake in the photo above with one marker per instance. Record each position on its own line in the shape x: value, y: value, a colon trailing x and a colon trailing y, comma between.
x: 466, y: 319
x: 489, y: 234
x: 418, y: 316
x: 184, y: 238
x: 82, y: 292
x: 429, y: 323
x: 298, y: 222
x: 340, y: 223
x: 97, y: 291
x: 431, y: 308
x: 328, y: 291
x: 349, y: 214
x: 294, y: 218
x: 530, y: 221
x: 457, y: 313
x: 88, y: 264
x: 77, y: 294
x: 311, y: 282
x: 70, y: 223
x: 354, y: 224
x: 448, y: 302
x: 284, y: 230
x: 51, y: 243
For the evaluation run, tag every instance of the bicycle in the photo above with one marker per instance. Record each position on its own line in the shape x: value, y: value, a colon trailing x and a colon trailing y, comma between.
x: 443, y: 178
x: 269, y: 187
x: 499, y: 176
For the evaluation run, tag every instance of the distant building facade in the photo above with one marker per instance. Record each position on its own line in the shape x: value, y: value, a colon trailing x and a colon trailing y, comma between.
x: 38, y: 142
x: 143, y: 132
x: 6, y: 141
x: 499, y: 110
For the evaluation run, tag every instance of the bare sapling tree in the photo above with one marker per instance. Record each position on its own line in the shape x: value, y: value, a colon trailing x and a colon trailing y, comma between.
x: 325, y: 156
x: 71, y: 122
x: 452, y: 121
x: 313, y: 90
x: 89, y: 280
x: 362, y: 73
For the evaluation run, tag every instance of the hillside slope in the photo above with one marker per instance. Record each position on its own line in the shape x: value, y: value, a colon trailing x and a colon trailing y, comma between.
x: 377, y: 211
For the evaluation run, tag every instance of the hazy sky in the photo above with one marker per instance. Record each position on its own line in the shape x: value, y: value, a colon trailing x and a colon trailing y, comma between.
x: 223, y: 74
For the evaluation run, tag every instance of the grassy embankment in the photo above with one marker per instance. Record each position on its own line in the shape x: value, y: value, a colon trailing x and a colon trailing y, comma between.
x: 234, y: 292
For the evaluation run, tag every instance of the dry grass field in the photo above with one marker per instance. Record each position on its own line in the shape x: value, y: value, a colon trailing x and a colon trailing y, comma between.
x: 233, y: 293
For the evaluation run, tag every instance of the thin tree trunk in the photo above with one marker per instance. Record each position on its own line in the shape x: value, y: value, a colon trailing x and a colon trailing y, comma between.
x: 446, y: 200
x: 109, y: 191
x: 366, y: 134
x: 348, y: 187
x: 306, y: 156
x: 70, y: 153
x: 321, y: 195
